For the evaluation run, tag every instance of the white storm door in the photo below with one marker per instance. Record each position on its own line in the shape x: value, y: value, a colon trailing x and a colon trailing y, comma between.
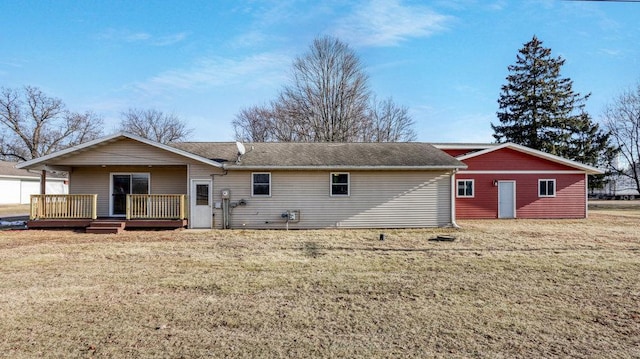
x: 201, y: 208
x: 506, y: 199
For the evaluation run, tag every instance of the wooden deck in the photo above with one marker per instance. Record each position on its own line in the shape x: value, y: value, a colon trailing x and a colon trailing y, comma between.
x: 107, y: 225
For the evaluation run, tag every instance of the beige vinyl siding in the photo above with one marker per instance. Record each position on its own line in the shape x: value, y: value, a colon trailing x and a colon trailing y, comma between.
x: 96, y: 180
x: 378, y: 199
x: 123, y: 151
x: 203, y: 171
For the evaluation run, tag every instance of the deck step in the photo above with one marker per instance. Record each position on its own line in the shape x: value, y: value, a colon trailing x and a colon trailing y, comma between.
x: 104, y: 230
x: 110, y: 224
x: 105, y: 227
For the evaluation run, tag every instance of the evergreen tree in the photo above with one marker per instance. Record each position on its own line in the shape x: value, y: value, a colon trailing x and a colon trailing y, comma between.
x: 539, y: 109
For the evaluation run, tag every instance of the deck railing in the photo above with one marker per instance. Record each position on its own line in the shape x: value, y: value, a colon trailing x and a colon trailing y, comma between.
x: 156, y: 206
x: 63, y: 206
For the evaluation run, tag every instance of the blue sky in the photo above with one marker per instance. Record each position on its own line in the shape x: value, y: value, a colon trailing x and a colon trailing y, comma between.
x: 206, y: 60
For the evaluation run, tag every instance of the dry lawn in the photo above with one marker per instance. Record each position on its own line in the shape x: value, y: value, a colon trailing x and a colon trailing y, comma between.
x: 518, y: 288
x: 14, y: 209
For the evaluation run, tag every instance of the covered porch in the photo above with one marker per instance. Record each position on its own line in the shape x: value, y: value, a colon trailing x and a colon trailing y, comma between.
x: 80, y: 211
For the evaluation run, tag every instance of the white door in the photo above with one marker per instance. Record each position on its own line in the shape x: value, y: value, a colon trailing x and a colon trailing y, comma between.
x: 506, y: 199
x: 201, y: 209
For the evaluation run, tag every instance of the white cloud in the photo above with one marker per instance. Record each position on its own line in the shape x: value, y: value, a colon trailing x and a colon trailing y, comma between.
x: 387, y: 23
x: 611, y: 52
x: 142, y: 37
x: 169, y: 39
x: 257, y: 70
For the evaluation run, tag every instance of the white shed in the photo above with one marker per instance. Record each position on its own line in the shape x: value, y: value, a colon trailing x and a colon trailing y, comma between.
x: 17, y: 185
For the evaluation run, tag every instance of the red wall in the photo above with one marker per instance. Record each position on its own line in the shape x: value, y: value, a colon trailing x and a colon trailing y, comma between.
x: 569, y: 201
x: 511, y: 160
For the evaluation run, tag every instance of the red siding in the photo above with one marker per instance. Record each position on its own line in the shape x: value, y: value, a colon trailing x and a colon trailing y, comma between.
x: 507, y: 159
x: 569, y: 201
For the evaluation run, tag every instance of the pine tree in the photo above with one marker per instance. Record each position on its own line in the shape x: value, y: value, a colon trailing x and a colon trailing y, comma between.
x: 539, y: 109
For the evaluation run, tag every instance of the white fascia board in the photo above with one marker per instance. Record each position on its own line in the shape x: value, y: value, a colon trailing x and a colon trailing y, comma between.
x: 343, y: 168
x: 521, y: 172
x: 463, y: 146
x: 553, y: 158
x: 36, y: 161
x: 37, y: 178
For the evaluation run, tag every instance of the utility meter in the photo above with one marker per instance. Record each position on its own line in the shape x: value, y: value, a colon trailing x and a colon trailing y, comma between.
x: 226, y: 193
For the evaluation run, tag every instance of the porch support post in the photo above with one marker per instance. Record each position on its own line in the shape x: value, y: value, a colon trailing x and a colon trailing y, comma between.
x: 94, y: 206
x: 43, y: 182
x: 128, y: 208
x: 182, y: 207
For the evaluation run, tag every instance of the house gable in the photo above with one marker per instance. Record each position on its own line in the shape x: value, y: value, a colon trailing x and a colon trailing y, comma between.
x: 122, y: 149
x: 507, y: 159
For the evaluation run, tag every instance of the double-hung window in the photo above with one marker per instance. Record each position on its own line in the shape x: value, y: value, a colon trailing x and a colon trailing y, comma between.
x: 339, y: 184
x: 261, y: 184
x: 546, y: 188
x: 465, y: 188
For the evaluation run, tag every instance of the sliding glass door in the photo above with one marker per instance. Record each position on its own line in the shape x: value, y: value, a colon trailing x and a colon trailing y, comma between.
x: 123, y: 184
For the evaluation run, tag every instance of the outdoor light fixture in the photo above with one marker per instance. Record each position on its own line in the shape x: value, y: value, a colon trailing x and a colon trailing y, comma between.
x: 495, y: 183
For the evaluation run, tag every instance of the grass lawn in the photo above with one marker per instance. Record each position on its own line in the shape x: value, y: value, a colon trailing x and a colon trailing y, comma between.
x: 13, y: 209
x: 512, y: 288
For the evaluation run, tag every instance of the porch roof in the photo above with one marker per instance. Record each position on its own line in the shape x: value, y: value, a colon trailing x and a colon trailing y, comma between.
x: 41, y: 162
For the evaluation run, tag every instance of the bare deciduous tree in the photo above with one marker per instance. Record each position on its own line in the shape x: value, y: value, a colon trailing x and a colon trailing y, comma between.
x: 389, y: 122
x: 327, y: 101
x: 154, y: 125
x: 622, y: 119
x: 34, y: 124
x: 329, y: 93
x: 253, y: 124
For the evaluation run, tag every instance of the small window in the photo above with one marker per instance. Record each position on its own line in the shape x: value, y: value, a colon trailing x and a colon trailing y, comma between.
x: 546, y: 188
x: 202, y: 195
x: 465, y: 188
x: 339, y: 184
x: 261, y: 184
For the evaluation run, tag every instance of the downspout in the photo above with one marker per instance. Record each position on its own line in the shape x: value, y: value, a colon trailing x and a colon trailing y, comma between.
x: 453, y: 199
x: 586, y: 195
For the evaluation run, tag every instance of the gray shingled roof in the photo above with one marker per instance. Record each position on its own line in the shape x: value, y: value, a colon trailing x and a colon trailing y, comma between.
x: 8, y: 169
x: 324, y: 155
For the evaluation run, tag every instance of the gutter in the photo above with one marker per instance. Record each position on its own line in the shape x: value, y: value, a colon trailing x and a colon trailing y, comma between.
x: 335, y: 168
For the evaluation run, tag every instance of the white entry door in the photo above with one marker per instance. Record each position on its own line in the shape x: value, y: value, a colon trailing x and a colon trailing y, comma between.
x: 506, y: 199
x: 201, y: 209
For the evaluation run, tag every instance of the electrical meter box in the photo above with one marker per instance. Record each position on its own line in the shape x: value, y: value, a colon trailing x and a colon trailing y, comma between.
x: 226, y: 193
x: 294, y: 215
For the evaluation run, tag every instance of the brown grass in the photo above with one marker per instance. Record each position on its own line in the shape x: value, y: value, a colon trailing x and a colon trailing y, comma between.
x: 14, y: 209
x: 515, y: 288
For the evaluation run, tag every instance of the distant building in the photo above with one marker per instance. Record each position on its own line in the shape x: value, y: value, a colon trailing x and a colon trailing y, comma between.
x: 17, y: 185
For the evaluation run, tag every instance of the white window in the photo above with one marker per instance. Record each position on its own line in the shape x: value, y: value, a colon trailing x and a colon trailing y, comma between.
x: 546, y: 188
x: 261, y: 184
x: 465, y: 188
x: 340, y: 184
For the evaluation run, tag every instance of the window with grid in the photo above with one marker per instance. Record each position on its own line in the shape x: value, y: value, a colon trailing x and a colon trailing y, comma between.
x: 546, y: 188
x: 465, y: 188
x: 261, y: 184
x: 339, y: 184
